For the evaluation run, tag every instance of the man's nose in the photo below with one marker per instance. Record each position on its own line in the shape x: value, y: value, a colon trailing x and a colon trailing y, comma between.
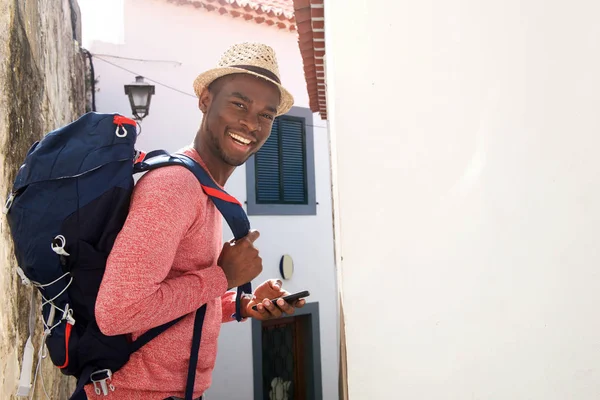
x: 251, y: 122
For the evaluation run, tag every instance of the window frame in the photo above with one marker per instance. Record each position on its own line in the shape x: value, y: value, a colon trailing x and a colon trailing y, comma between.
x: 310, y: 208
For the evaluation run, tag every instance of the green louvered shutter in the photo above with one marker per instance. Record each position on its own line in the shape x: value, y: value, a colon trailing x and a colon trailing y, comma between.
x: 281, y: 164
x: 268, y: 169
x: 293, y: 159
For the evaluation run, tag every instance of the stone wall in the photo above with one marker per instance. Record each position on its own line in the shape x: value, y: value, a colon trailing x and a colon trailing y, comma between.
x: 41, y: 88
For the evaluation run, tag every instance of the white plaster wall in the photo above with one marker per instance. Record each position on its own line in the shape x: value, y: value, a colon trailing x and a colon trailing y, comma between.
x: 476, y: 126
x: 155, y: 29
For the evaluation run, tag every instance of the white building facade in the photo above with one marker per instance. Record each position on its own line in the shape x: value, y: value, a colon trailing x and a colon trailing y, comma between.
x: 465, y: 147
x: 169, y: 43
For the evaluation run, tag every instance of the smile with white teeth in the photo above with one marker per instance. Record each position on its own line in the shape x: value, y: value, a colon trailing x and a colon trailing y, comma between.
x: 239, y: 139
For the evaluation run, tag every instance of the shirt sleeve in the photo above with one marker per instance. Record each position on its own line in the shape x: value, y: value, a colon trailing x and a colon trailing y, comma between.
x: 228, y: 306
x: 135, y: 293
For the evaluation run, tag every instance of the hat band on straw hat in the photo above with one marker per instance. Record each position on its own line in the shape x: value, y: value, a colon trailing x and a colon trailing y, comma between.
x: 261, y: 71
x: 247, y: 58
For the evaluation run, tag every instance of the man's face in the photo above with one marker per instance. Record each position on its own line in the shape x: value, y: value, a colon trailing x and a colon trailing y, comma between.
x: 238, y: 114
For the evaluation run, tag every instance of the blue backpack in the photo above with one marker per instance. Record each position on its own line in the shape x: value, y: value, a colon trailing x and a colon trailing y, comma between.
x: 69, y: 201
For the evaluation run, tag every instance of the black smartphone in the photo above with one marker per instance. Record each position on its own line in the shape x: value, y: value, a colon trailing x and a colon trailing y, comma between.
x: 290, y: 298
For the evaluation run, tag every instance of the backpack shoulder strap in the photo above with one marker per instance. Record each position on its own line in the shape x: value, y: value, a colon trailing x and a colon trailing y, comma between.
x: 228, y: 206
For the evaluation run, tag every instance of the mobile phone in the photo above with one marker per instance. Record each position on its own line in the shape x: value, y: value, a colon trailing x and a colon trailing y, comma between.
x: 290, y: 298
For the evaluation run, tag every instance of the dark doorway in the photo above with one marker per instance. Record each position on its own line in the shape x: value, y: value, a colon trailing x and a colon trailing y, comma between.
x: 287, y: 357
x: 284, y: 353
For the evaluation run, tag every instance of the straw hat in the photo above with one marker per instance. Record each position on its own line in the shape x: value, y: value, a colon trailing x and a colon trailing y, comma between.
x: 248, y: 58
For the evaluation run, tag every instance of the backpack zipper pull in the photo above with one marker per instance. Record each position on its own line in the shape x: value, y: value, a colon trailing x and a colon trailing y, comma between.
x: 119, y: 120
x: 58, y: 245
x: 24, y: 280
x: 68, y: 315
x: 9, y: 202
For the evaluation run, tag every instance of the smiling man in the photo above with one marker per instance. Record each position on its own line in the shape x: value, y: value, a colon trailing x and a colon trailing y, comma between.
x: 169, y: 259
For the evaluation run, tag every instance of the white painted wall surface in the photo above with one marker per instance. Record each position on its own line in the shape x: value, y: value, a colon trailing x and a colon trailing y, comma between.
x: 155, y: 29
x: 468, y: 176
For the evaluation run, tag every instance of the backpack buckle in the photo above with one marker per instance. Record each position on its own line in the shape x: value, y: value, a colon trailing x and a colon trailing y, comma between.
x: 101, y: 380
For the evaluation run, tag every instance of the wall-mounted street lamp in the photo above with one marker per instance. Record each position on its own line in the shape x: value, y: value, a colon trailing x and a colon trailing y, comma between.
x: 140, y: 93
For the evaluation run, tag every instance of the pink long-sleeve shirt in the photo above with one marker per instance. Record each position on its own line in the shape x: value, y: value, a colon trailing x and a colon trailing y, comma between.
x: 164, y: 265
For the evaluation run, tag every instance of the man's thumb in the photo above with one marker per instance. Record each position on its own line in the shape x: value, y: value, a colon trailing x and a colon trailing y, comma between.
x: 253, y: 235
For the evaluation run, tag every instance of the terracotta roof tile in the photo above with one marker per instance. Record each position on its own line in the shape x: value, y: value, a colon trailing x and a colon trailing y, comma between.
x: 311, y: 40
x: 277, y: 13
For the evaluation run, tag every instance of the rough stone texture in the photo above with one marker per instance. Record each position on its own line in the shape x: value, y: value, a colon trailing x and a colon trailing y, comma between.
x: 41, y: 88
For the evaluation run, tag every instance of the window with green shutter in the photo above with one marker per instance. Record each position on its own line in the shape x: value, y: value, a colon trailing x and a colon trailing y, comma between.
x: 280, y: 177
x: 280, y: 165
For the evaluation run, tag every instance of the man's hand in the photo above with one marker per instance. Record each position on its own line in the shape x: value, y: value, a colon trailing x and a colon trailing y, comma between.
x: 266, y: 309
x: 240, y: 260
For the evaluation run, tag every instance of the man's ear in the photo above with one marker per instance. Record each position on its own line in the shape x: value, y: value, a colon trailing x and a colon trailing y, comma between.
x: 204, y: 100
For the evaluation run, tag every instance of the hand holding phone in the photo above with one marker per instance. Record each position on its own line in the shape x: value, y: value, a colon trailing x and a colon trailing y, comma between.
x: 290, y: 299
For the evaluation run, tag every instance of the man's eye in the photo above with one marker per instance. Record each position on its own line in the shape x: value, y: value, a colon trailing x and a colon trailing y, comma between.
x: 239, y: 105
x: 268, y: 116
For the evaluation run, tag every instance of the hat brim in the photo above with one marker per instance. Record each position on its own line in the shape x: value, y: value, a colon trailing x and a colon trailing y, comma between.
x: 206, y: 78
